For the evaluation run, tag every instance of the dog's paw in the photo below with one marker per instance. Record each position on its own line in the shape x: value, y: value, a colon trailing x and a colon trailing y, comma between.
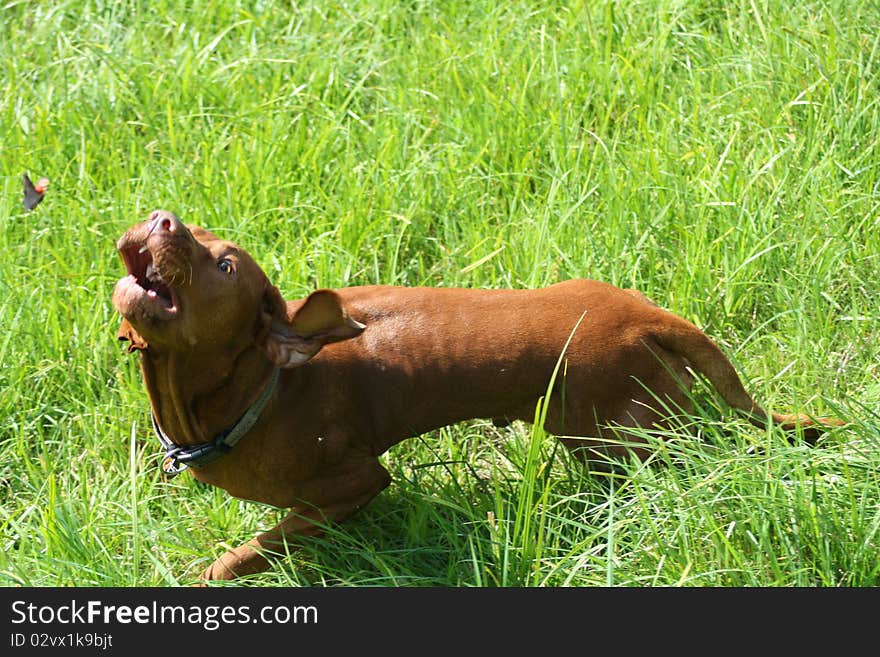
x: 241, y: 561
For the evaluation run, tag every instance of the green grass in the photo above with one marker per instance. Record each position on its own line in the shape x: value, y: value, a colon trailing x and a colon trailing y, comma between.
x: 724, y: 158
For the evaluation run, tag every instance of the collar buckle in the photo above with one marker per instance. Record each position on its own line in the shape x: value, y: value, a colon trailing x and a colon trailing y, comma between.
x: 171, y: 467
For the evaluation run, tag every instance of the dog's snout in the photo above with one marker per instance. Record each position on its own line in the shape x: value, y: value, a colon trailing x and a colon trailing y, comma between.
x: 162, y: 220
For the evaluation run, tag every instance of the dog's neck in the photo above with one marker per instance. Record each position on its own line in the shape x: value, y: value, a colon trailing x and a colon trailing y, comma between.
x: 194, y: 409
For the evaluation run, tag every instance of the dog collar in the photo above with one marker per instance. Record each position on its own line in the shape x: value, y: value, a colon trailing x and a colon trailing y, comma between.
x: 178, y: 458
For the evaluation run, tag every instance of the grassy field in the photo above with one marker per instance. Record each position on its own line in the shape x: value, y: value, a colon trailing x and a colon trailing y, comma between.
x: 724, y: 158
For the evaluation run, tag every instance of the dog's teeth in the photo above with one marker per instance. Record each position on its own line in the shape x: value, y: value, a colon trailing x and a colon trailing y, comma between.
x: 142, y: 249
x: 150, y: 270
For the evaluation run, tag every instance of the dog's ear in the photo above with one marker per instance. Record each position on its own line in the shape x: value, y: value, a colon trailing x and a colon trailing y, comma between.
x: 321, y: 319
x: 127, y: 332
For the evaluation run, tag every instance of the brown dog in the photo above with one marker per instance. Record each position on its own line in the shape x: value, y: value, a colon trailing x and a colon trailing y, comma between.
x: 363, y: 368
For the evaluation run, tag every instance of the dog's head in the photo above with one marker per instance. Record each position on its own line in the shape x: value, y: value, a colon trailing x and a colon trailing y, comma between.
x: 187, y: 290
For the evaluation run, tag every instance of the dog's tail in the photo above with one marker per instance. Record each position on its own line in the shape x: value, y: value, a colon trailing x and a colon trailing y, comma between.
x: 706, y: 357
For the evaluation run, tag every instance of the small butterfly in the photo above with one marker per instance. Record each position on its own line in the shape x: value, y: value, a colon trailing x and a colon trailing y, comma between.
x: 33, y: 194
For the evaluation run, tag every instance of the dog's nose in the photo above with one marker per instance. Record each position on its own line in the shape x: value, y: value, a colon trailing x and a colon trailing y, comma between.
x: 162, y: 220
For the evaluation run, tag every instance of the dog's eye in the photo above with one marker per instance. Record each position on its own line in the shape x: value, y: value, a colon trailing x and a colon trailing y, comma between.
x: 226, y: 266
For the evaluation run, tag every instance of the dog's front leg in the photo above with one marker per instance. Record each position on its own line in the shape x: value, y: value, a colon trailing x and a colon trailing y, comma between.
x: 253, y: 557
x: 351, y: 489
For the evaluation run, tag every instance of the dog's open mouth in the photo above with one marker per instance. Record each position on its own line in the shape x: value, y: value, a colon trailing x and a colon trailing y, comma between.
x: 144, y: 275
